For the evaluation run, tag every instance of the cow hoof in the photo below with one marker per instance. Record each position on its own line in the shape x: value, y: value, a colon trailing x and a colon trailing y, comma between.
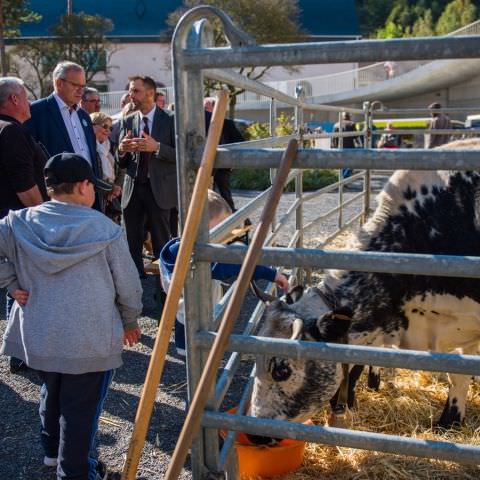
x: 342, y: 420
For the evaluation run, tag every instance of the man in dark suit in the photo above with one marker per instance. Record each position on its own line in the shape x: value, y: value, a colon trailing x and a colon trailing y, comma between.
x: 59, y: 124
x: 230, y: 134
x: 147, y: 152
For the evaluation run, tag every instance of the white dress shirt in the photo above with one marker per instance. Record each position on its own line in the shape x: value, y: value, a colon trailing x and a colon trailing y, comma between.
x: 74, y: 129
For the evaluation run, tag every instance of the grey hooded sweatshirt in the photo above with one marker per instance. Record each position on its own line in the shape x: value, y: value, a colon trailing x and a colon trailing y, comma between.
x: 83, y: 288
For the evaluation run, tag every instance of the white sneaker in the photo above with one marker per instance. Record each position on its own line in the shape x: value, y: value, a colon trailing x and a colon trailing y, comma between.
x: 50, y: 461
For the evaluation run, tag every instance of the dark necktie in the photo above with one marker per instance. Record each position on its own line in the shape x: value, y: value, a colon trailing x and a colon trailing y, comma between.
x: 142, y: 176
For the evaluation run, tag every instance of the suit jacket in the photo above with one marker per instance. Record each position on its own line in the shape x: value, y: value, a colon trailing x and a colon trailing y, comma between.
x: 47, y: 127
x: 230, y: 132
x: 162, y: 168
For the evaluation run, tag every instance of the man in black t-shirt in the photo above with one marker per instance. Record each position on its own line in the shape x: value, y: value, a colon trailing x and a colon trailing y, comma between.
x: 21, y: 162
x: 21, y: 158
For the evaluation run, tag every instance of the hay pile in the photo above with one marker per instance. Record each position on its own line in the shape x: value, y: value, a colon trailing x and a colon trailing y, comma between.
x: 407, y: 404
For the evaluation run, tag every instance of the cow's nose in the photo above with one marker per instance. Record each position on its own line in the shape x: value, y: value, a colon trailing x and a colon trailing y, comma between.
x: 261, y: 440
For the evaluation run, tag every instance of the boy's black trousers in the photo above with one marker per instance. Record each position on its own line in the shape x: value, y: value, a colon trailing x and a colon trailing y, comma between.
x: 70, y: 406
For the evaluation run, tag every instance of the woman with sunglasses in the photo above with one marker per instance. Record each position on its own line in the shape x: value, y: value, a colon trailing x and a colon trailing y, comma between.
x: 111, y: 173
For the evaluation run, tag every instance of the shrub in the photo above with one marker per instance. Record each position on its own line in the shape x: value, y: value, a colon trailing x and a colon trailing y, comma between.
x: 259, y: 179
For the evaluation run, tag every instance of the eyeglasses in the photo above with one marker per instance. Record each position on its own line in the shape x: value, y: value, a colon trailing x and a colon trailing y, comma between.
x: 93, y: 100
x: 106, y: 126
x: 73, y: 84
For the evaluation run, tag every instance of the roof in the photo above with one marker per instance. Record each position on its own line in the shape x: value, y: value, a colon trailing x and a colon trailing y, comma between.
x: 145, y: 20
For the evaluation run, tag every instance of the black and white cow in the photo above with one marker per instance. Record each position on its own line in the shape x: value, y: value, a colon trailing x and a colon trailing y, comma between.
x: 428, y: 212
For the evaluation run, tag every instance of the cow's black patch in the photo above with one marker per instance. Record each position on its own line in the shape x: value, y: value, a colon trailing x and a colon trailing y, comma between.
x: 424, y: 190
x: 450, y: 417
x: 409, y: 194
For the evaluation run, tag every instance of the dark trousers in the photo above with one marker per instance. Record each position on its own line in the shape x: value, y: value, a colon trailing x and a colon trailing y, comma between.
x: 221, y: 181
x: 141, y: 208
x: 70, y: 406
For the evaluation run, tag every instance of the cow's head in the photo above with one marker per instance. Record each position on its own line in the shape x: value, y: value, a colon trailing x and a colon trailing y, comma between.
x: 291, y: 389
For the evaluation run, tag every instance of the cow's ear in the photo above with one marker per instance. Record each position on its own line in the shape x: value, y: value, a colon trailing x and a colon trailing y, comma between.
x: 334, y: 327
x: 294, y: 295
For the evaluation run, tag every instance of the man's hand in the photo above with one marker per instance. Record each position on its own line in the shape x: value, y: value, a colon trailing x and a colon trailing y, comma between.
x: 128, y: 144
x: 146, y: 143
x: 21, y: 296
x: 282, y: 281
x: 115, y: 193
x: 131, y: 337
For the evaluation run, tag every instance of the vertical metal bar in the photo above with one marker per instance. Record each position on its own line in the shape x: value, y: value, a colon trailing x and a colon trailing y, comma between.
x: 190, y: 134
x: 273, y: 133
x: 300, y: 94
x: 368, y: 144
x: 340, y: 172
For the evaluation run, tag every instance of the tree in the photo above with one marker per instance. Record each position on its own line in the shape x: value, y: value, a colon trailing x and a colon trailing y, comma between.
x: 78, y: 37
x: 12, y: 14
x: 424, y: 27
x: 268, y: 21
x: 456, y: 15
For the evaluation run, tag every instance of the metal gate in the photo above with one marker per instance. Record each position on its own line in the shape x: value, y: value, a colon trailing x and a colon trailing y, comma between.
x: 194, y: 58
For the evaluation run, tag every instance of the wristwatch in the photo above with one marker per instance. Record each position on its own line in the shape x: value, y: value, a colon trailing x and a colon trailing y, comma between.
x: 157, y: 153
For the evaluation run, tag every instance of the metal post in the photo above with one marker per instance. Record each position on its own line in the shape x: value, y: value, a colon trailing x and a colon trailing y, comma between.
x: 299, y: 129
x: 340, y: 171
x: 190, y: 132
x: 273, y: 133
x: 368, y: 144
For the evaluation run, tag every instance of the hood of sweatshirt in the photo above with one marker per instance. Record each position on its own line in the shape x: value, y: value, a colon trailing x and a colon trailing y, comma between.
x: 57, y: 235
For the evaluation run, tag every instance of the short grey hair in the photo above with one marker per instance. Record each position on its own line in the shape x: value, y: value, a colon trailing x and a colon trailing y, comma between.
x: 87, y: 91
x: 63, y: 68
x: 9, y: 85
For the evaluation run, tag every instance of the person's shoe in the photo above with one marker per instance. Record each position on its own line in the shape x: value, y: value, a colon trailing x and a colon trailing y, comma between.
x: 50, y: 461
x: 17, y: 365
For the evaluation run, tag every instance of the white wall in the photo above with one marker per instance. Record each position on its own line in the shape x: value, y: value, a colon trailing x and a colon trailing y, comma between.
x: 152, y: 59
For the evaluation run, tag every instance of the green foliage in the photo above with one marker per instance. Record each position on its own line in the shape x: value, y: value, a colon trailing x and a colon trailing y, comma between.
x: 259, y: 179
x: 77, y: 37
x: 456, y: 14
x: 16, y: 12
x: 406, y: 18
x: 262, y: 130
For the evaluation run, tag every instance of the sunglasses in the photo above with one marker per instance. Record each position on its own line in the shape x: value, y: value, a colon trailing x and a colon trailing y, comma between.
x: 106, y: 126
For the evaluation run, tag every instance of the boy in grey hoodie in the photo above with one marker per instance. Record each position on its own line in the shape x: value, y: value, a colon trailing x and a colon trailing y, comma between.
x: 78, y: 297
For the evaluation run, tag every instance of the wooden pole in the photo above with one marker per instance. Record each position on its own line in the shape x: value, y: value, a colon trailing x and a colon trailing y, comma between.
x: 192, y: 222
x: 215, y: 356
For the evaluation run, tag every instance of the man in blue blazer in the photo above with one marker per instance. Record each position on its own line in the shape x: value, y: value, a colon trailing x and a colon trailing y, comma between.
x: 59, y: 124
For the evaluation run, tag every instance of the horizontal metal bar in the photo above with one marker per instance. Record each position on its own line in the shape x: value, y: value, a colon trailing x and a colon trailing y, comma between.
x: 426, y: 111
x: 356, y: 158
x: 233, y: 78
x: 334, y: 210
x: 455, y: 452
x: 361, y: 261
x: 334, y: 52
x: 263, y: 142
x: 333, y: 186
x: 345, y: 226
x: 352, y: 354
x: 330, y: 108
x: 424, y: 131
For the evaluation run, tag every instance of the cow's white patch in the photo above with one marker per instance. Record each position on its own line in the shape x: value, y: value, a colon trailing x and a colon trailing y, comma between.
x: 441, y: 323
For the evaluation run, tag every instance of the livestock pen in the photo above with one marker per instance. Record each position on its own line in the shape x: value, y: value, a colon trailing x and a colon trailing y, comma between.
x: 194, y: 58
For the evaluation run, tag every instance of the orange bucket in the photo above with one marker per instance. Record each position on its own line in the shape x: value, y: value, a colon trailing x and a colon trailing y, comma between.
x: 264, y: 461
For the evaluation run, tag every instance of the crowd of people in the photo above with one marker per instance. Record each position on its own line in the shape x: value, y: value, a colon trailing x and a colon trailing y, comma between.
x: 79, y: 192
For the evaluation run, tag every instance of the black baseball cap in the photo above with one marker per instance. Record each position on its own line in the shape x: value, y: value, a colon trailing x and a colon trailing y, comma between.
x: 71, y: 168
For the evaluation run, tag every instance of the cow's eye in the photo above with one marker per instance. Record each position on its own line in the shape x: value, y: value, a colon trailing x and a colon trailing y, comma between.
x: 280, y: 370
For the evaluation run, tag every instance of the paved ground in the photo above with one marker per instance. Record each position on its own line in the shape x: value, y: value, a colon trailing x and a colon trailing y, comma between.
x: 20, y: 453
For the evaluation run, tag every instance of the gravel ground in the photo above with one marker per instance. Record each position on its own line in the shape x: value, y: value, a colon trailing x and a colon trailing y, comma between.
x: 20, y: 452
